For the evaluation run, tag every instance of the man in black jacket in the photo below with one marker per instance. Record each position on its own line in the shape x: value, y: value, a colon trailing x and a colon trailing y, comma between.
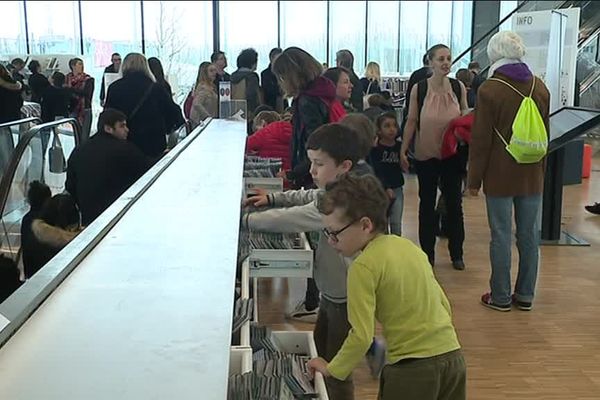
x: 272, y: 93
x: 113, y: 68
x: 345, y: 58
x: 105, y: 166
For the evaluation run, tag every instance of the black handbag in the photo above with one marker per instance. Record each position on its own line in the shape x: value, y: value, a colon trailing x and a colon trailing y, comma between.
x: 56, y: 157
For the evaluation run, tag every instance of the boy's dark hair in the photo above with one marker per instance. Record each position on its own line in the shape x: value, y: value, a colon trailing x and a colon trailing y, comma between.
x: 247, y: 58
x: 378, y: 100
x: 345, y: 58
x: 338, y: 141
x: 17, y: 62
x: 58, y: 79
x: 365, y: 129
x: 115, y: 54
x: 34, y: 66
x: 473, y: 65
x: 37, y: 194
x: 215, y: 56
x: 274, y: 51
x: 383, y: 117
x: 465, y: 76
x: 60, y: 211
x: 333, y: 74
x: 110, y: 117
x: 358, y: 196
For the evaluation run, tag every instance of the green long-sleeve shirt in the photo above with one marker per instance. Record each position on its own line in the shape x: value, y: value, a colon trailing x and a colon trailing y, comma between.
x: 392, y: 281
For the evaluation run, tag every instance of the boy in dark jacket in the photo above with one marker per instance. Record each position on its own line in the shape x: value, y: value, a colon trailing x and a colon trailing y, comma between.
x: 57, y: 99
x: 244, y: 82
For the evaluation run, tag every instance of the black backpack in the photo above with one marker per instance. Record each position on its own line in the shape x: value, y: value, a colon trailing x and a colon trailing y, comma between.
x: 422, y: 92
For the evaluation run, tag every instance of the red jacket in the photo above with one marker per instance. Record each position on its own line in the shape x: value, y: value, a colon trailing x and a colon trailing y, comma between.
x: 274, y: 141
x: 458, y: 129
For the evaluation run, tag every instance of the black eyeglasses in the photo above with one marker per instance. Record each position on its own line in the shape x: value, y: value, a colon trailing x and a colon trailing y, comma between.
x: 333, y: 235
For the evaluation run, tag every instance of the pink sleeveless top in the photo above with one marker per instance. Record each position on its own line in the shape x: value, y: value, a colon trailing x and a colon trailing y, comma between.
x: 438, y: 110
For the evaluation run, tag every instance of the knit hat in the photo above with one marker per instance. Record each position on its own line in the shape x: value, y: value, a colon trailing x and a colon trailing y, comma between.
x: 505, y: 44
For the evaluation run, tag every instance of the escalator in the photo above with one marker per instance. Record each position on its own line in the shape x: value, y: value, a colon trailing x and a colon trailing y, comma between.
x: 10, y: 133
x: 41, y: 155
x: 588, y: 57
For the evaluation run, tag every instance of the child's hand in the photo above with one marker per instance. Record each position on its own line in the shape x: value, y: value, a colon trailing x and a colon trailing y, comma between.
x: 318, y: 365
x: 404, y: 161
x: 258, y: 199
x: 281, y: 174
x: 390, y: 194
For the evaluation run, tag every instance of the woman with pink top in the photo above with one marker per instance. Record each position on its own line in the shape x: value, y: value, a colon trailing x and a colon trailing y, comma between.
x: 435, y: 102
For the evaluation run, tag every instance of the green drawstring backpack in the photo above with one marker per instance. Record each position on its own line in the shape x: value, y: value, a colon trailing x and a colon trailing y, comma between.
x: 529, y: 141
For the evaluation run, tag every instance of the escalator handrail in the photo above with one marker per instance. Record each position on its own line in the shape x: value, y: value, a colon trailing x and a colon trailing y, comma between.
x: 15, y: 159
x: 594, y: 36
x: 494, y: 29
x: 488, y: 33
x: 27, y: 120
x: 588, y: 83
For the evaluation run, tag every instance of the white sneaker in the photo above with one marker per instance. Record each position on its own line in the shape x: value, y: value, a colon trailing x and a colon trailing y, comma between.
x: 300, y: 313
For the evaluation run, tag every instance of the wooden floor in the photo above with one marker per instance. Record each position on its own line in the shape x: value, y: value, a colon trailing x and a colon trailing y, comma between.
x: 552, y: 352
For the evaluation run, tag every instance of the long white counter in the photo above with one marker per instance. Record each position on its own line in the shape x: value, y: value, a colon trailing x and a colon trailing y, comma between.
x: 147, y: 313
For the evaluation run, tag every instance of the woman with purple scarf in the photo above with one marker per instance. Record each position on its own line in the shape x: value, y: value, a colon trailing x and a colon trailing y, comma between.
x: 507, y: 184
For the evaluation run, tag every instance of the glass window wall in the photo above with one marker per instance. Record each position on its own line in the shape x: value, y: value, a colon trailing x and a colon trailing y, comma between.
x: 382, y: 31
x: 462, y: 21
x: 109, y: 27
x: 413, y: 37
x: 53, y: 27
x: 12, y: 30
x: 293, y: 27
x: 347, y: 31
x: 179, y: 33
x: 439, y: 25
x: 245, y: 24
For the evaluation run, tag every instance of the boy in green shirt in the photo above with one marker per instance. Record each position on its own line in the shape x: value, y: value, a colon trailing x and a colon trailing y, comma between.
x: 391, y: 281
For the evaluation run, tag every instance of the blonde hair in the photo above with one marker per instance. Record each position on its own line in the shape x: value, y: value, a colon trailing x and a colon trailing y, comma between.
x: 296, y: 69
x: 373, y: 72
x: 202, y: 77
x: 136, y: 62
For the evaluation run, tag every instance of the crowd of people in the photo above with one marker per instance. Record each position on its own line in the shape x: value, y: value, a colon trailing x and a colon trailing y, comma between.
x: 454, y: 135
x: 344, y: 151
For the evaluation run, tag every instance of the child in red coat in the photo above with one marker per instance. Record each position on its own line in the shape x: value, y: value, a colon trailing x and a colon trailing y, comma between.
x: 272, y: 140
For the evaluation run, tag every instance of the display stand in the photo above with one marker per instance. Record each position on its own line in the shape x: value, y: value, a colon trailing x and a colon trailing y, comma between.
x: 566, y: 125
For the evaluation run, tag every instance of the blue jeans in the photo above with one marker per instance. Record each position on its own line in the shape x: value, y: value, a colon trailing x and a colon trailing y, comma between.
x: 396, y: 210
x: 499, y: 210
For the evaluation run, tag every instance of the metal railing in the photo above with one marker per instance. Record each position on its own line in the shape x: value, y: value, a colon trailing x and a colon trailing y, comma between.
x: 7, y: 178
x: 23, y: 121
